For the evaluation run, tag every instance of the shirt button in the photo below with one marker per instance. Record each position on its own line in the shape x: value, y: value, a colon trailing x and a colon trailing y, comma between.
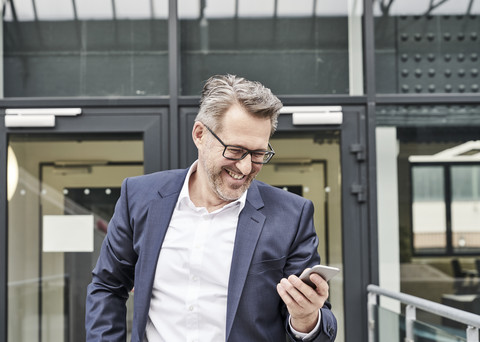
x: 191, y: 307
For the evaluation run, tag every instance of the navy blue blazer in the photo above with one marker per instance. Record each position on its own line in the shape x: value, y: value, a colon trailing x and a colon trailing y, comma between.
x: 275, y: 238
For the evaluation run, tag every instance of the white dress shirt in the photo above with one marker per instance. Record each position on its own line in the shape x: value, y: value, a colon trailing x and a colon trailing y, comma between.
x: 189, y: 295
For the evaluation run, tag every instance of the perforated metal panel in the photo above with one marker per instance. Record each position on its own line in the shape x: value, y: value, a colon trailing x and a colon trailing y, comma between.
x: 438, y: 54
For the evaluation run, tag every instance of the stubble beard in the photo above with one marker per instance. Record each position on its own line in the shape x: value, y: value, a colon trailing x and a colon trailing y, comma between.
x: 222, y: 190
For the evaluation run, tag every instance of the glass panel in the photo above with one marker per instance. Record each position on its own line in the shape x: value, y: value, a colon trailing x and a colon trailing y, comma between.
x: 390, y: 326
x: 427, y: 46
x: 85, y: 48
x: 309, y: 165
x: 465, y: 207
x: 428, y: 210
x: 293, y: 47
x: 428, y: 332
x: 58, y: 210
x: 426, y: 157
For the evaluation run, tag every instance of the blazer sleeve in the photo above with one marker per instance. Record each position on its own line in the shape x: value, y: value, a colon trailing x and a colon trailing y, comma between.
x: 112, y: 278
x: 304, y: 254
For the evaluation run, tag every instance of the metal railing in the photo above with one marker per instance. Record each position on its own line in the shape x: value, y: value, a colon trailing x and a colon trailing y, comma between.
x: 471, y: 320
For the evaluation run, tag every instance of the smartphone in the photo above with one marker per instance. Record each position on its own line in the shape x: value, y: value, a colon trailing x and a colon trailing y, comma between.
x: 326, y: 272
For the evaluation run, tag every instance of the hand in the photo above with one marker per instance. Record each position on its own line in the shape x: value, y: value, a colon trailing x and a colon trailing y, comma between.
x: 302, y: 301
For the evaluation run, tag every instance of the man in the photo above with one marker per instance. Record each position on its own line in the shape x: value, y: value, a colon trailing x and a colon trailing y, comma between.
x: 214, y: 254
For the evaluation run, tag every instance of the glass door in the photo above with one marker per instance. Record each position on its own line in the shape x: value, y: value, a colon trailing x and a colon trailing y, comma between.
x: 59, y: 209
x: 308, y: 164
x: 63, y: 183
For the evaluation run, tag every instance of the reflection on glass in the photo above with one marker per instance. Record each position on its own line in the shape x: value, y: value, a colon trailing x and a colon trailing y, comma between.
x: 428, y: 332
x: 466, y: 208
x: 427, y: 46
x: 391, y: 325
x: 74, y: 181
x: 428, y: 209
x: 85, y: 48
x: 293, y: 47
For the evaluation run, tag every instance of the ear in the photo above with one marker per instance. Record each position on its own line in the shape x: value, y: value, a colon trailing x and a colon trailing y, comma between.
x: 198, y: 133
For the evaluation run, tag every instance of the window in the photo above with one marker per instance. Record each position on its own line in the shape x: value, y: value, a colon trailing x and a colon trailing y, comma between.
x: 293, y: 47
x: 446, y: 207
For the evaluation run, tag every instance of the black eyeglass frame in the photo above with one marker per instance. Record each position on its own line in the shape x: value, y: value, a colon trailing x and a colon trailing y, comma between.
x: 269, y: 154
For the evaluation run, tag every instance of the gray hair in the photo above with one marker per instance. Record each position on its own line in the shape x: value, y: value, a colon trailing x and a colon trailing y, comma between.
x: 223, y: 91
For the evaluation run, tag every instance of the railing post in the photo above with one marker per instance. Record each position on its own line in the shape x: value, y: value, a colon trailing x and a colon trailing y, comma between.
x: 372, y: 303
x: 410, y: 318
x: 472, y: 334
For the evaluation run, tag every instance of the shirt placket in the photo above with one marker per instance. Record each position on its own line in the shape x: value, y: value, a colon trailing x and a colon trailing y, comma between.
x: 194, y: 282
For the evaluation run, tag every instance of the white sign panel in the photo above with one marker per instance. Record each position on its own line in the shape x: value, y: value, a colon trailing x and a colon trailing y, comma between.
x: 68, y: 233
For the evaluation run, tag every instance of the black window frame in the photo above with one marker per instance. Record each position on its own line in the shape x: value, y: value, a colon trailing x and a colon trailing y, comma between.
x: 447, y: 198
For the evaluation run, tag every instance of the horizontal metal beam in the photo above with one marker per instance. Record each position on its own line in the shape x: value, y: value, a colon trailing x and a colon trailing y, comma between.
x: 84, y: 102
x: 427, y: 99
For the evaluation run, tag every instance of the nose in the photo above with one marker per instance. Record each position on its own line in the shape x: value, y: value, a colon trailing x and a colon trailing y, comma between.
x: 245, y: 165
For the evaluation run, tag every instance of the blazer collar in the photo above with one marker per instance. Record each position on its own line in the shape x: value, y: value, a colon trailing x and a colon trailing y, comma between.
x: 173, y: 183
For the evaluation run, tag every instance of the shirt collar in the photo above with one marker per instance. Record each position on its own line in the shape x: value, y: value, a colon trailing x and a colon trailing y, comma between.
x: 184, y: 197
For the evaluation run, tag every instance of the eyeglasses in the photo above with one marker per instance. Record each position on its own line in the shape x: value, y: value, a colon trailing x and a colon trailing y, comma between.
x: 238, y: 153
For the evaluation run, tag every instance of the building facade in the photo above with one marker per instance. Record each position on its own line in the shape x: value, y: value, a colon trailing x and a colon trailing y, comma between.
x: 380, y: 130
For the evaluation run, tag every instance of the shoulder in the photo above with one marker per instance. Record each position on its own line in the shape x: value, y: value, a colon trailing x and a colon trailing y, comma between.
x: 158, y: 177
x: 171, y: 180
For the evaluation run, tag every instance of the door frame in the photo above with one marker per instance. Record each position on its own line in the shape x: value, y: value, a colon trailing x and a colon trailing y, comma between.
x: 359, y: 236
x: 360, y: 252
x: 151, y: 122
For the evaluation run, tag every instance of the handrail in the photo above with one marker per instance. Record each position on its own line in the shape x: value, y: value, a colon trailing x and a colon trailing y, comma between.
x: 472, y: 321
x: 446, y: 311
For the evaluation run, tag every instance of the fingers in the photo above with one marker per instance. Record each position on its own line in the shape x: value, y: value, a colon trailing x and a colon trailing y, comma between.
x: 296, y: 294
x: 321, y: 285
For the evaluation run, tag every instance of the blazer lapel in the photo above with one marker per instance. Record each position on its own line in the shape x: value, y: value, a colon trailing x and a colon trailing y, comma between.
x: 159, y: 214
x: 250, y: 224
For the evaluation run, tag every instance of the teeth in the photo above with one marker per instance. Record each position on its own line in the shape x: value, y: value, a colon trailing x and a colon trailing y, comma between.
x: 235, y: 175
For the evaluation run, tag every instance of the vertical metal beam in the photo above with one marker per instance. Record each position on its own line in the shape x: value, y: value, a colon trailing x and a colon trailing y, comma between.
x: 447, y: 195
x: 4, y: 7
x: 3, y: 233
x: 372, y: 304
x: 370, y: 92
x: 356, y: 242
x: 3, y: 203
x: 410, y: 318
x: 355, y: 53
x: 472, y: 334
x: 35, y: 12
x: 173, y: 81
x: 369, y: 50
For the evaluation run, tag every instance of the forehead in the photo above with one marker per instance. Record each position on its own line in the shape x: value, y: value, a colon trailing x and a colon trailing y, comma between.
x: 238, y: 127
x: 237, y: 118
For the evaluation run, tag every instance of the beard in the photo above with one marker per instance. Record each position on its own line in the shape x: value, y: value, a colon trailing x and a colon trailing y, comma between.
x: 223, y: 190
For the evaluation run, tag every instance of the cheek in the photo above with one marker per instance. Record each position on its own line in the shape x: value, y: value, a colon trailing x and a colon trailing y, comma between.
x: 256, y: 168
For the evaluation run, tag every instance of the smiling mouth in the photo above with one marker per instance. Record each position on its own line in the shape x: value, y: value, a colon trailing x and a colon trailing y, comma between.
x: 234, y: 175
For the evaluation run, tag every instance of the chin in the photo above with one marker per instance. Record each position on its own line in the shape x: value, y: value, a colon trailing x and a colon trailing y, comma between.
x: 229, y: 194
